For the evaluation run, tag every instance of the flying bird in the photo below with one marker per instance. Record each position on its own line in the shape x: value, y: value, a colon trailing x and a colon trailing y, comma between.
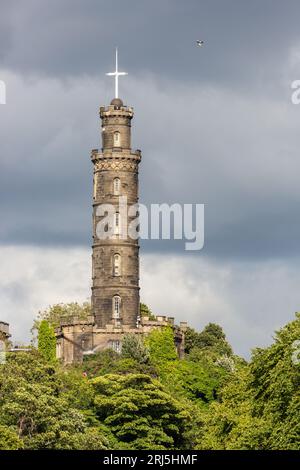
x: 200, y: 43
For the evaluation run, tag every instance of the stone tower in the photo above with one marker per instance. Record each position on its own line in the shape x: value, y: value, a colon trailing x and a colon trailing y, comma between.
x: 115, y: 259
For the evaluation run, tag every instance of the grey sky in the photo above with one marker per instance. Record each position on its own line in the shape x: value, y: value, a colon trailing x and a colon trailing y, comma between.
x: 246, y: 40
x: 216, y: 125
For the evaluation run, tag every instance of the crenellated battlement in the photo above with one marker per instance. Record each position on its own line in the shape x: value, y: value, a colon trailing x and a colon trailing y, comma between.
x: 116, y: 111
x: 116, y: 125
x: 77, y: 337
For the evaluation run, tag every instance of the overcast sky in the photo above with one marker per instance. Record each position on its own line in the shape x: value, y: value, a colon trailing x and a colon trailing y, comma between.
x: 216, y: 125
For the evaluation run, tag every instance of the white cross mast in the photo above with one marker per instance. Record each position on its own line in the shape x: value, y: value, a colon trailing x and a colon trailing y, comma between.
x: 117, y: 74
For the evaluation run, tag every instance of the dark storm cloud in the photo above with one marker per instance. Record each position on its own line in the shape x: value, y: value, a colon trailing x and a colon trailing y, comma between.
x: 244, y: 41
x: 215, y: 124
x: 237, y: 156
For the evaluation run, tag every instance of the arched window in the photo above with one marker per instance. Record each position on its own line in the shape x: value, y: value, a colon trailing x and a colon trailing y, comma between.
x: 117, y: 265
x: 117, y: 223
x: 116, y: 307
x: 117, y: 184
x: 117, y: 139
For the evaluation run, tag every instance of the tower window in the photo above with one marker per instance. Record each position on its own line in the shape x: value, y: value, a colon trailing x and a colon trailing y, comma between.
x: 117, y: 223
x: 117, y: 139
x: 115, y: 345
x: 95, y: 185
x: 117, y: 184
x: 116, y: 307
x: 117, y: 265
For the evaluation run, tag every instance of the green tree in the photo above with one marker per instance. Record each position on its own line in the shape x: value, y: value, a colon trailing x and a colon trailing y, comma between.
x: 190, y: 340
x: 73, y: 386
x: 59, y: 312
x: 133, y: 347
x: 100, y: 363
x: 36, y: 404
x: 211, y: 340
x: 139, y: 412
x: 47, y: 341
x: 146, y: 312
x: 9, y: 439
x: 259, y: 406
x: 190, y: 380
x: 275, y: 381
x: 110, y: 362
x: 161, y: 345
x: 230, y: 424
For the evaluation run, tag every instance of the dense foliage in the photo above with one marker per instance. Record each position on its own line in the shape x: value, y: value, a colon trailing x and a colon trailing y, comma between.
x: 259, y: 407
x: 38, y: 409
x: 139, y: 412
x: 147, y: 398
x: 46, y: 340
x: 146, y: 312
x: 60, y: 312
x: 133, y: 347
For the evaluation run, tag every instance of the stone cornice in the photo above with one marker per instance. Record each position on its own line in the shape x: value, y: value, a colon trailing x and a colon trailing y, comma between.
x: 114, y: 243
x: 117, y: 162
x: 117, y: 154
x: 114, y: 286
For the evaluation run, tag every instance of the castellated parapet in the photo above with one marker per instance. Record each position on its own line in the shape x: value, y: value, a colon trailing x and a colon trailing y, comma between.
x: 77, y: 338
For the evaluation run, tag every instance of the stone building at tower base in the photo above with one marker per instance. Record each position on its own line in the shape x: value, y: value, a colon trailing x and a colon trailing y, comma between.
x: 77, y: 338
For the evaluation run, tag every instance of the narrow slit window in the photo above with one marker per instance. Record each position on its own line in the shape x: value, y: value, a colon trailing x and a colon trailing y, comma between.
x: 117, y: 223
x: 117, y: 139
x: 95, y: 185
x: 117, y: 265
x: 116, y: 307
x: 117, y: 185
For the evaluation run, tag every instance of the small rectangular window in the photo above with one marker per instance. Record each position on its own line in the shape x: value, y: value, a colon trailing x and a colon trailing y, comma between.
x: 116, y: 345
x: 117, y: 139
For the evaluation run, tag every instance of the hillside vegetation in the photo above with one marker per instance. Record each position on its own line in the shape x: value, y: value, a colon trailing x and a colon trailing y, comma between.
x: 146, y: 398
